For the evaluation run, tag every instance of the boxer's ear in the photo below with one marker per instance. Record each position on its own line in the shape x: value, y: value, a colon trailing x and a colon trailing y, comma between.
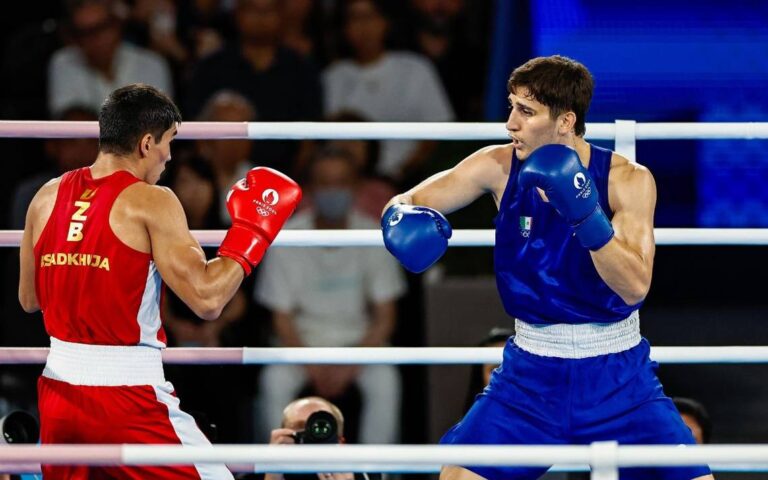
x: 145, y: 144
x: 566, y: 123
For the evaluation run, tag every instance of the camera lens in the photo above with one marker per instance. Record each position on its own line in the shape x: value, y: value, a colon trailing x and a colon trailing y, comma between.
x: 321, y: 428
x: 19, y: 427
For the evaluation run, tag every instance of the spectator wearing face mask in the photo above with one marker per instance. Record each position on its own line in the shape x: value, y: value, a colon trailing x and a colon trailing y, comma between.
x: 332, y: 297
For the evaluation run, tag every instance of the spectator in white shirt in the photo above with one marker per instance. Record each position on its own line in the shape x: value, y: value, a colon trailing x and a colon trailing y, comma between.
x: 332, y: 297
x: 98, y: 60
x: 385, y: 86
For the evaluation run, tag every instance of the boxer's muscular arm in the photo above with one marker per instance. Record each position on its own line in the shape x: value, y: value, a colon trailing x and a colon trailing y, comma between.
x: 626, y: 262
x: 27, y: 294
x: 37, y: 216
x: 204, y: 285
x: 449, y: 190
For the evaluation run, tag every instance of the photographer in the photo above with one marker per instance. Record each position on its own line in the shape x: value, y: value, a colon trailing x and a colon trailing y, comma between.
x: 306, y: 421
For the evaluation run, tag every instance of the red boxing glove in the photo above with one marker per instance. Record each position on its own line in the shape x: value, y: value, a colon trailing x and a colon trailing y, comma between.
x: 259, y: 205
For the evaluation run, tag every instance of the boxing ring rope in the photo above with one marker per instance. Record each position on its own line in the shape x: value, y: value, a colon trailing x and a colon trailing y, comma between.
x: 390, y: 355
x: 604, y: 457
x: 460, y: 238
x: 395, y: 130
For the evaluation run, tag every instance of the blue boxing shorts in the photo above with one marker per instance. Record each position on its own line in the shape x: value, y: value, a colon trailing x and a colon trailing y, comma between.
x: 533, y: 399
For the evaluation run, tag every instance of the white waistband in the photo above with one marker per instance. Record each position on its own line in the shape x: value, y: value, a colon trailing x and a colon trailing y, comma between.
x: 564, y: 340
x: 104, y: 365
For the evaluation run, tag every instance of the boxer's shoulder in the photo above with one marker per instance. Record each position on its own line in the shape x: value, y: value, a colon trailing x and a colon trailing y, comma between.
x: 42, y: 204
x: 144, y: 203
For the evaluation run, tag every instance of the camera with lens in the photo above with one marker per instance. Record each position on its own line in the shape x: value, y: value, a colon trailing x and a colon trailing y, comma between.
x: 19, y: 427
x: 321, y: 427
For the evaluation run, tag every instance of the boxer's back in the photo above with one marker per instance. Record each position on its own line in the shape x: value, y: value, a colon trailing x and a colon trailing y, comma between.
x: 94, y: 288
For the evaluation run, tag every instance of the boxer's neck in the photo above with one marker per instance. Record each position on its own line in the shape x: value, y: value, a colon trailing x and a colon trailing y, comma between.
x: 109, y: 163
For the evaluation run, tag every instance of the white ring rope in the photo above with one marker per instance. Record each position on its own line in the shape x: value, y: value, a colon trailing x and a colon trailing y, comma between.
x: 606, y: 456
x: 460, y: 238
x: 390, y: 355
x: 389, y: 130
x: 73, y: 453
x: 384, y: 458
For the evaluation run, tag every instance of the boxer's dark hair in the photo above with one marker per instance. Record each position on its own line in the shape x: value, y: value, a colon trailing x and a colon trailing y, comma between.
x: 131, y: 112
x: 560, y: 83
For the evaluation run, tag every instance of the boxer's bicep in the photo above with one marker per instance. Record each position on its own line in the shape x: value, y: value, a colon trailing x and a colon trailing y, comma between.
x: 634, y: 202
x: 205, y: 286
x: 176, y: 253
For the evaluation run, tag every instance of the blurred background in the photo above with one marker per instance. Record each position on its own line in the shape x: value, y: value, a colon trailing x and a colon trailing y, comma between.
x: 403, y: 60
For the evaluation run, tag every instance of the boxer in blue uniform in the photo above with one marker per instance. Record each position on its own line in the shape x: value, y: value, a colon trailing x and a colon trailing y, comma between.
x: 573, y: 259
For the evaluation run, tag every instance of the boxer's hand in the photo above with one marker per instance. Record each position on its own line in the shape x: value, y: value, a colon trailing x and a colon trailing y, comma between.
x: 557, y: 170
x: 259, y: 205
x: 417, y: 236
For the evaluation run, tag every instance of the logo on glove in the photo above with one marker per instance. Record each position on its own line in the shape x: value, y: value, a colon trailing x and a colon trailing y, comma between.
x: 395, y: 218
x: 270, y: 197
x: 581, y: 184
x: 579, y: 180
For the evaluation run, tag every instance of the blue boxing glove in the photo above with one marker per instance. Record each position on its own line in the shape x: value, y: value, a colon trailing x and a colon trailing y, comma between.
x: 557, y: 170
x: 417, y: 236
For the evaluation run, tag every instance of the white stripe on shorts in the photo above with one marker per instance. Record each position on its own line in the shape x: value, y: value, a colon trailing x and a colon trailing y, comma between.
x: 189, y: 433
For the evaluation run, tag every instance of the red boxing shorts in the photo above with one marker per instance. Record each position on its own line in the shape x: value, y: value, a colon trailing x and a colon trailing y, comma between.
x: 85, y: 413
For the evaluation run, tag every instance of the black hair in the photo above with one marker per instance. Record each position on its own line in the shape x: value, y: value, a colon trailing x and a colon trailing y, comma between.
x: 373, y: 147
x: 131, y: 112
x: 695, y: 409
x: 560, y: 83
x: 327, y: 152
x: 343, y: 48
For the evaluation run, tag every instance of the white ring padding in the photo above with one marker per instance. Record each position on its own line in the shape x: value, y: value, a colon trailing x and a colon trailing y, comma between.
x: 381, y: 457
x: 460, y: 238
x: 390, y: 355
x: 389, y: 130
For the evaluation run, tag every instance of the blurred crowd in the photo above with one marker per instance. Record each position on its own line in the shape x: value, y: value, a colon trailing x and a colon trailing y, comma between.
x: 246, y: 61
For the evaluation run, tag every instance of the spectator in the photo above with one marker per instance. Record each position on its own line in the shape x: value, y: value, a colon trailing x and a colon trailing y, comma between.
x: 332, y: 297
x: 65, y: 153
x: 280, y: 83
x: 385, y: 86
x: 204, y: 26
x: 295, y: 416
x: 98, y: 60
x: 229, y: 159
x: 304, y: 28
x: 439, y: 31
x: 696, y: 417
x: 152, y: 23
x: 374, y: 189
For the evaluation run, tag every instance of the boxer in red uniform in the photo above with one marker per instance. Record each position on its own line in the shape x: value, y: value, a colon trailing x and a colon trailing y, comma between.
x: 98, y: 244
